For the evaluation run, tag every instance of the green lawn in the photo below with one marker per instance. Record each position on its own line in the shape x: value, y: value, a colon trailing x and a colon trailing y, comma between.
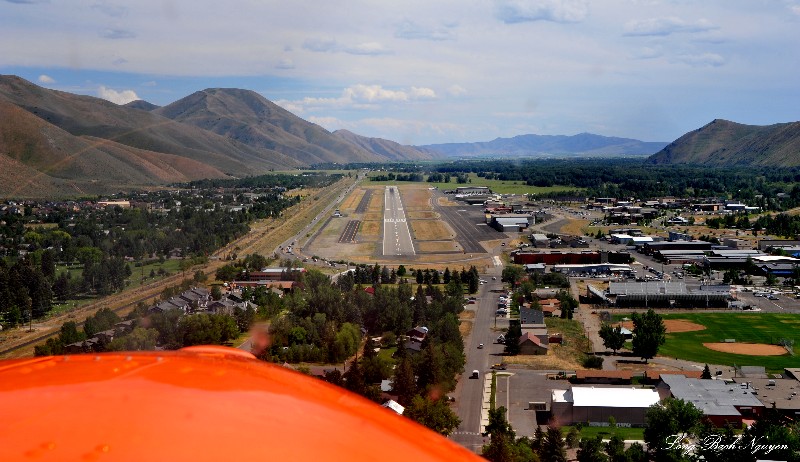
x: 387, y: 353
x: 626, y: 433
x: 744, y: 327
x: 497, y: 186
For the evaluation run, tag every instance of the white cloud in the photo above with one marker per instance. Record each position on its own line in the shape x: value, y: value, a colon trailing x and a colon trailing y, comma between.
x: 44, y: 78
x: 117, y: 97
x: 360, y: 96
x: 702, y: 60
x: 411, y: 30
x: 456, y: 90
x: 368, y: 48
x: 666, y: 26
x: 329, y: 45
x: 149, y: 83
x: 422, y: 93
x: 285, y: 63
x: 562, y: 11
x: 647, y: 53
x: 117, y: 34
x: 795, y: 9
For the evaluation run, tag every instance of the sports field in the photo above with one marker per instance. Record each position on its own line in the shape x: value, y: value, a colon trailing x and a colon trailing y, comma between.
x: 760, y: 329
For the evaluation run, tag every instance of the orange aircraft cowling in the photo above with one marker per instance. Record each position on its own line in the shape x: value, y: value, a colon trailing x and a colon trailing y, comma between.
x: 197, y: 404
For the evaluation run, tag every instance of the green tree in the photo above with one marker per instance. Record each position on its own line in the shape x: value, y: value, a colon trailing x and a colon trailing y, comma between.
x: 512, y: 337
x: 613, y: 337
x: 706, y: 373
x: 140, y: 339
x: 615, y: 448
x: 216, y: 292
x: 404, y: 384
x: 668, y: 424
x: 592, y: 450
x: 434, y: 414
x: 512, y: 274
x: 553, y: 446
x: 568, y: 304
x: 649, y: 333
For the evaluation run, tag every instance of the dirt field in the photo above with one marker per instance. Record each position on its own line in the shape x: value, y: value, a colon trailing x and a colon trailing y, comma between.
x: 370, y: 230
x: 416, y: 199
x: 431, y: 230
x: 575, y: 227
x: 376, y: 202
x: 750, y: 349
x: 673, y: 326
x: 437, y: 246
x: 373, y: 216
x: 351, y: 202
x: 445, y: 202
x: 424, y: 215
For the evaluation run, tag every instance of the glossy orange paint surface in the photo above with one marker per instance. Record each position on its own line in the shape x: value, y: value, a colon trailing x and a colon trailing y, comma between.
x: 196, y: 404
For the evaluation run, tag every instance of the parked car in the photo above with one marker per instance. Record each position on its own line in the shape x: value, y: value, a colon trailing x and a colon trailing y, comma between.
x: 499, y: 367
x: 475, y: 374
x: 480, y: 346
x: 772, y: 297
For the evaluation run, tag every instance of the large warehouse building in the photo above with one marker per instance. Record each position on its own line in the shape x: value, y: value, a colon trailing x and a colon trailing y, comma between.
x: 596, y: 404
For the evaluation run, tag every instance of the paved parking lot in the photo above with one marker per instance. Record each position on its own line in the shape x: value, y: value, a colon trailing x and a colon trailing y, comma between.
x: 519, y: 387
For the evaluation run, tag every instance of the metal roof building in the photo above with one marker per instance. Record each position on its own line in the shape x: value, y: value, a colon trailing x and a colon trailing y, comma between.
x: 720, y: 402
x: 667, y: 294
x: 596, y: 404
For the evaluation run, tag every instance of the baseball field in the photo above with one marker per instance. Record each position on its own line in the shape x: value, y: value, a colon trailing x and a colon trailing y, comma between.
x: 744, y: 339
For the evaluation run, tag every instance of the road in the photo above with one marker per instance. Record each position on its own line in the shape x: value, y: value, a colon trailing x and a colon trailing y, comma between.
x: 396, y: 235
x: 469, y: 392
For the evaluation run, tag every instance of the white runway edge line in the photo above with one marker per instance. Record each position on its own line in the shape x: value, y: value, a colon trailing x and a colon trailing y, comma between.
x: 394, y: 221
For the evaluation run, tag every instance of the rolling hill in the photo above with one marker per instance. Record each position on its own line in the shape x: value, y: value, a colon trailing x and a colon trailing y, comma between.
x: 581, y: 145
x: 726, y: 143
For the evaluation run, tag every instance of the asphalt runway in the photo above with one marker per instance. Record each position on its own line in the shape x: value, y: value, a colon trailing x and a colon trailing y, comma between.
x: 469, y: 224
x: 396, y: 235
x: 364, y: 203
x: 348, y: 235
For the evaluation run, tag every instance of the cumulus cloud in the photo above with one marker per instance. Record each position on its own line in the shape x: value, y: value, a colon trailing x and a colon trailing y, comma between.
x: 702, y: 60
x: 666, y: 26
x: 329, y: 45
x: 117, y: 34
x: 117, y: 97
x: 119, y: 61
x: 285, y: 63
x: 411, y: 30
x: 795, y: 9
x: 562, y: 11
x: 44, y: 78
x: 149, y: 83
x: 360, y: 96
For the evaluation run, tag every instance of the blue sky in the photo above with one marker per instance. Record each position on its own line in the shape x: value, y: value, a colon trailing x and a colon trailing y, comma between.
x: 422, y: 72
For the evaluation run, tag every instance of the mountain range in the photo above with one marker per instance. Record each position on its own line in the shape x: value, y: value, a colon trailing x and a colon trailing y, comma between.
x: 581, y: 145
x: 54, y: 143
x: 725, y: 143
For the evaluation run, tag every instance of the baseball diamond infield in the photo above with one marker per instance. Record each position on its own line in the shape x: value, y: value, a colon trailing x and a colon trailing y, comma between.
x: 750, y: 349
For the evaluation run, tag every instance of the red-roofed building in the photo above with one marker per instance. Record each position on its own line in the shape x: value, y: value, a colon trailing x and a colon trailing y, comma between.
x: 530, y: 344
